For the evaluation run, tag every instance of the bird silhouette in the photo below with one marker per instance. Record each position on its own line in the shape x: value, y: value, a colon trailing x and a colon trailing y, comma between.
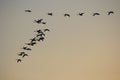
x: 50, y: 14
x: 41, y: 39
x: 18, y: 60
x: 38, y: 31
x: 31, y: 43
x: 66, y: 15
x: 38, y: 21
x: 26, y: 48
x: 33, y: 39
x: 40, y: 34
x: 110, y: 12
x: 81, y: 14
x: 24, y: 55
x: 43, y: 22
x: 28, y: 11
x: 46, y: 30
x: 21, y: 53
x: 94, y: 14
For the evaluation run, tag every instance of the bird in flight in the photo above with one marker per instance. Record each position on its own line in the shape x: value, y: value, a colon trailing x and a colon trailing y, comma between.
x: 24, y: 55
x: 43, y: 22
x: 26, y: 48
x: 110, y: 12
x: 41, y: 38
x: 28, y: 11
x: 50, y: 14
x: 31, y: 43
x: 81, y: 14
x: 18, y: 60
x: 38, y: 21
x: 46, y: 30
x: 21, y: 53
x: 33, y: 39
x: 66, y: 15
x: 94, y: 14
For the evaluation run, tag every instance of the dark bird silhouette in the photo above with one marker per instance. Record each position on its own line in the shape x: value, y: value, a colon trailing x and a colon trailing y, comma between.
x: 81, y: 14
x: 24, y: 55
x: 46, y: 30
x: 50, y: 14
x: 32, y: 40
x: 40, y: 34
x: 26, y: 48
x: 43, y: 22
x: 38, y: 31
x: 31, y: 43
x: 28, y: 11
x: 18, y: 60
x: 110, y: 12
x: 21, y: 53
x: 94, y: 14
x: 41, y: 38
x: 66, y: 15
x: 38, y: 21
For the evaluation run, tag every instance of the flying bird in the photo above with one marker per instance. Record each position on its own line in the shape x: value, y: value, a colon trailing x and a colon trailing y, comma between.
x: 46, y: 30
x: 28, y: 11
x: 110, y: 12
x: 26, y: 48
x: 43, y: 22
x: 31, y: 43
x: 38, y: 31
x: 21, y: 53
x: 41, y: 38
x: 81, y: 14
x: 40, y: 34
x: 50, y: 14
x: 38, y: 21
x: 94, y: 14
x: 24, y: 55
x: 18, y: 60
x: 32, y: 40
x: 66, y: 15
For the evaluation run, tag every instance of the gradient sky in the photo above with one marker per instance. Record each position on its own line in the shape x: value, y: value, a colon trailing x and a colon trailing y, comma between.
x: 76, y: 48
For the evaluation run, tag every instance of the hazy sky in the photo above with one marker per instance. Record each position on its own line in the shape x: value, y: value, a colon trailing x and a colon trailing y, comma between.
x: 76, y: 48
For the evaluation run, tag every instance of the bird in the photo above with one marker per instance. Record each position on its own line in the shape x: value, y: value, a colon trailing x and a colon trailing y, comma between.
x: 46, y: 30
x: 26, y: 48
x: 50, y: 14
x: 40, y: 34
x: 38, y: 21
x: 41, y: 38
x: 66, y: 15
x: 31, y: 43
x: 81, y: 14
x: 94, y: 14
x: 21, y: 53
x: 110, y: 12
x: 33, y: 39
x: 43, y: 22
x: 18, y: 60
x: 28, y: 11
x: 24, y: 55
x: 38, y: 31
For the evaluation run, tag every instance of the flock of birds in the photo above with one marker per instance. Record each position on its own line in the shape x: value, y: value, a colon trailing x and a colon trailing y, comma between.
x: 40, y: 36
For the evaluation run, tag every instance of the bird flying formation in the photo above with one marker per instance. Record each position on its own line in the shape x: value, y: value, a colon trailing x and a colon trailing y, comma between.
x: 41, y: 33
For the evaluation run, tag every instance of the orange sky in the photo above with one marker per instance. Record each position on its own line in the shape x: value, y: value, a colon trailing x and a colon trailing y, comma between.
x: 76, y: 48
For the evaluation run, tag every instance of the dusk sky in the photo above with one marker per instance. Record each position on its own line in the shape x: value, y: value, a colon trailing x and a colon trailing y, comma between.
x: 77, y: 48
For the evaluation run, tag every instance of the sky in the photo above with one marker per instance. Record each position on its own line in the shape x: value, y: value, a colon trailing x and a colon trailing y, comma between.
x: 76, y: 48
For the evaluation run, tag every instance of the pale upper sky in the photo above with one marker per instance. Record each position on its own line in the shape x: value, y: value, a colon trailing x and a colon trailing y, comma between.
x: 76, y: 48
